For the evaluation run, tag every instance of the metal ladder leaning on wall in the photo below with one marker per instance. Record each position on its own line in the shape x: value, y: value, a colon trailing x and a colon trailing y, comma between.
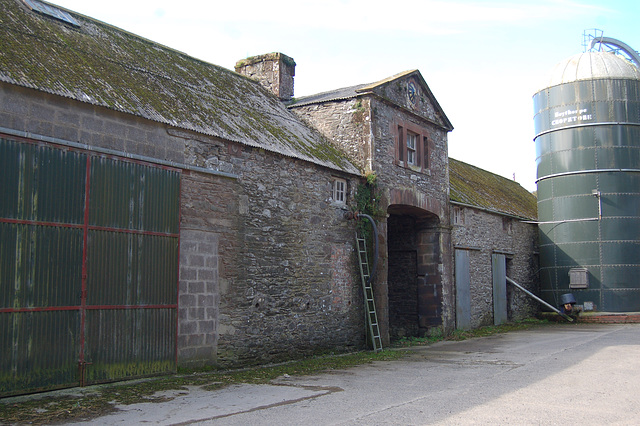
x: 367, y: 289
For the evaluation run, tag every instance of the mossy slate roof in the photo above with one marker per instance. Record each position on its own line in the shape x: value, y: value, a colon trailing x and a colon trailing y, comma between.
x: 476, y: 187
x: 99, y: 64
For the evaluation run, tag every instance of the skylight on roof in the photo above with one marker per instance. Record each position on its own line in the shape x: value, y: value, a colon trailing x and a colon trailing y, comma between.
x: 51, y: 11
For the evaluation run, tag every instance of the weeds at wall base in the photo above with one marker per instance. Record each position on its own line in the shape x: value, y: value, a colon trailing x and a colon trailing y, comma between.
x: 94, y: 401
x: 459, y: 335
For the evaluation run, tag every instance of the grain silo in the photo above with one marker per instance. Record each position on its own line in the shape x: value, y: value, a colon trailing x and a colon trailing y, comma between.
x: 587, y: 125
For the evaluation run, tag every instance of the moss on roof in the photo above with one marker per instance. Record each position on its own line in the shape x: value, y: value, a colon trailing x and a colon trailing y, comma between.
x: 480, y: 188
x: 103, y: 65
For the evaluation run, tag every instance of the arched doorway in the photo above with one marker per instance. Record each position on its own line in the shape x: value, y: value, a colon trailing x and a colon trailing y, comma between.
x: 414, y: 276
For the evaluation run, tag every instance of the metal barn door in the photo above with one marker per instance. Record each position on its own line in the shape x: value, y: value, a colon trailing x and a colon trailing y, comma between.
x: 499, y: 272
x: 463, y: 290
x: 131, y: 271
x: 88, y: 283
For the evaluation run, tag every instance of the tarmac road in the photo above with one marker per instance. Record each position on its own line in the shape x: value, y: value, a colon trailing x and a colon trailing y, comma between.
x: 559, y: 375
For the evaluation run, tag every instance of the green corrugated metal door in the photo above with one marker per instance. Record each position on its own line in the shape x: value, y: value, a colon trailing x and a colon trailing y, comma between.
x: 132, y: 270
x: 41, y: 216
x: 88, y: 285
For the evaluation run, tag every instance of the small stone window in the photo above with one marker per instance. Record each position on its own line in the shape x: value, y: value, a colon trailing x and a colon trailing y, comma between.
x: 507, y: 225
x: 458, y: 216
x: 339, y: 191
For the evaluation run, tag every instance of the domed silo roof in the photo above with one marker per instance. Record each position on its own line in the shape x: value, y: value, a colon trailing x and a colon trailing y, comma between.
x: 591, y: 65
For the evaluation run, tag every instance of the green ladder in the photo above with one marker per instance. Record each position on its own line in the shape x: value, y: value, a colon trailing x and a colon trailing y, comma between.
x: 369, y: 303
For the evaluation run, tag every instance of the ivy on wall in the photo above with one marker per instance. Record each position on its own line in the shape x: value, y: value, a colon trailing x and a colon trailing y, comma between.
x: 368, y: 202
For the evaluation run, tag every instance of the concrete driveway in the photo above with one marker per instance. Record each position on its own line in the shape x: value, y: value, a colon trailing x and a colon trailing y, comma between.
x: 566, y: 374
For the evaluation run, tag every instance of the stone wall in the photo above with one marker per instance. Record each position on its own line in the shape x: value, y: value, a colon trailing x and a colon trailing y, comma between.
x: 288, y: 282
x: 346, y: 124
x: 365, y: 128
x: 485, y: 233
x: 267, y: 264
x: 209, y: 232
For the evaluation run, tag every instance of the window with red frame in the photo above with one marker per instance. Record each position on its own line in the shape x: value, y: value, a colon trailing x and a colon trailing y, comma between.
x: 412, y: 148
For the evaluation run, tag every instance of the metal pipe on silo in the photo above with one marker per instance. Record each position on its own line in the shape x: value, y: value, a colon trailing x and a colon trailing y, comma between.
x: 587, y: 124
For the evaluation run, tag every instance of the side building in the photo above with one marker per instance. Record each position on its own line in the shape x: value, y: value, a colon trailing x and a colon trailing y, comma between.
x: 494, y: 236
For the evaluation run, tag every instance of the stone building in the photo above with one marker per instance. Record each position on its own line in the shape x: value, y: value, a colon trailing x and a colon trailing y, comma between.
x: 494, y: 234
x: 396, y: 130
x: 159, y: 211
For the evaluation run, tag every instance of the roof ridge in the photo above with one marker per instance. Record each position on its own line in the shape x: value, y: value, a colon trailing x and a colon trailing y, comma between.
x: 485, y: 171
x: 375, y: 84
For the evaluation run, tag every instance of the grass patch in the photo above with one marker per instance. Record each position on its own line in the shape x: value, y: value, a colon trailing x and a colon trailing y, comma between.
x: 497, y: 329
x: 458, y: 335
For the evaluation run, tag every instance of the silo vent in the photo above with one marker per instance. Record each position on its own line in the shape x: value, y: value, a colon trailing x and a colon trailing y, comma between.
x: 578, y: 278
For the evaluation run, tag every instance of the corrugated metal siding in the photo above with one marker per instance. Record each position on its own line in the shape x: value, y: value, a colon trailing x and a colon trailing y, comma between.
x: 133, y: 196
x: 130, y: 269
x: 41, y: 183
x: 124, y: 343
x: 41, y: 266
x: 39, y: 350
x: 41, y: 212
x: 128, y: 302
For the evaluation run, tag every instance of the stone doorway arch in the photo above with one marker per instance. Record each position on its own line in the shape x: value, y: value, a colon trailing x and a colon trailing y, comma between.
x: 414, y: 274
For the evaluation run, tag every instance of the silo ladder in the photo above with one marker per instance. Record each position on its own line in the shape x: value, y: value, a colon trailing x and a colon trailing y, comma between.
x: 367, y: 289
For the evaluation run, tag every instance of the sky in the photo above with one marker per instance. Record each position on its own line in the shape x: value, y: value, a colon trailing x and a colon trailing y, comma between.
x: 482, y: 60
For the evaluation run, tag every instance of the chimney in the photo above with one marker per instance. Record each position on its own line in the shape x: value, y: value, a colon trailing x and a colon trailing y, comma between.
x: 274, y: 71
